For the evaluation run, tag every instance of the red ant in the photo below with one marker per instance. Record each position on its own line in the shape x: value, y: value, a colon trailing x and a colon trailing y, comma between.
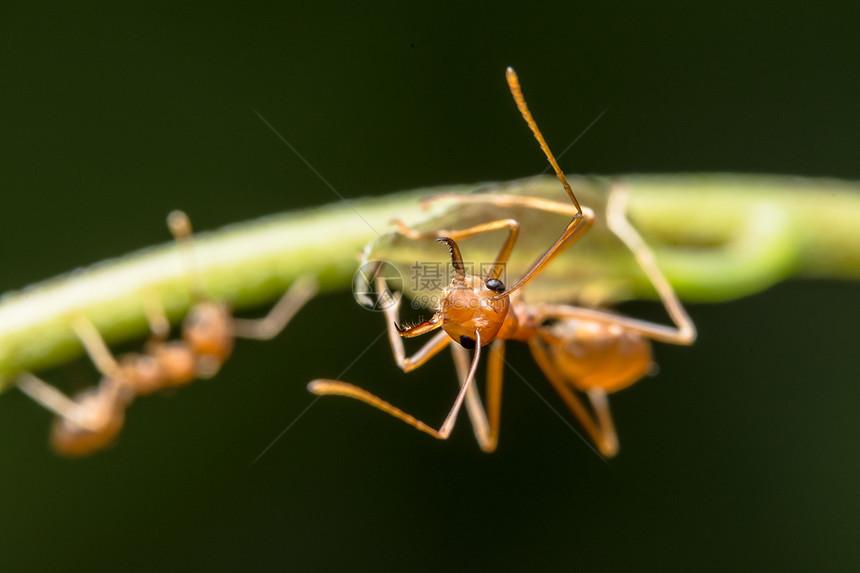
x: 579, y: 349
x: 93, y: 420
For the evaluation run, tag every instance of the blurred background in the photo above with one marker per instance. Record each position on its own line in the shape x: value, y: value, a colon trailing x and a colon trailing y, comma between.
x: 741, y: 453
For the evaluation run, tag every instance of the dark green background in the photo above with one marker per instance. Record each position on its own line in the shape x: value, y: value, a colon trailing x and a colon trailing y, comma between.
x: 741, y: 454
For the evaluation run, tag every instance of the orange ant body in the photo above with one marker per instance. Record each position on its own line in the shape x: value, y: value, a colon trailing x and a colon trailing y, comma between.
x: 580, y: 350
x: 584, y: 350
x: 94, y: 419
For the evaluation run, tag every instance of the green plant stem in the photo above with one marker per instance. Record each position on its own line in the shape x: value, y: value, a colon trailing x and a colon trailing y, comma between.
x: 718, y: 237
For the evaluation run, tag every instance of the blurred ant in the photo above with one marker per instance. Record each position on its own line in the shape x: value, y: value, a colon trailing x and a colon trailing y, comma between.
x: 579, y: 349
x: 92, y: 420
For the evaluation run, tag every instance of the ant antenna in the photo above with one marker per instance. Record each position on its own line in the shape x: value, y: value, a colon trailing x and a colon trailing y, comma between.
x: 580, y: 220
x: 180, y: 227
x: 517, y: 92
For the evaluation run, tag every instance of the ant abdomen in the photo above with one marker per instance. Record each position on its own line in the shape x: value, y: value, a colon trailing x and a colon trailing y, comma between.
x: 591, y: 354
x: 106, y: 413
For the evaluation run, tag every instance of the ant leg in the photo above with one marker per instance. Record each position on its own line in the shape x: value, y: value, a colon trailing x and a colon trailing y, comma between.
x: 507, y: 201
x: 91, y: 419
x: 537, y: 203
x: 495, y: 376
x: 512, y: 225
x: 273, y: 323
x: 601, y: 431
x: 574, y: 230
x: 95, y: 347
x: 474, y: 407
x: 391, y: 307
x: 658, y: 332
x: 180, y: 227
x: 684, y: 331
x: 409, y: 363
x: 53, y: 400
x: 159, y: 324
x: 323, y: 387
x: 486, y: 431
x: 600, y: 406
x: 618, y: 223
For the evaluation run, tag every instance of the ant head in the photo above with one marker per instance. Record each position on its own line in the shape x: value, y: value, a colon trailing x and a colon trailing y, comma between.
x: 176, y: 361
x: 468, y: 305
x: 208, y: 330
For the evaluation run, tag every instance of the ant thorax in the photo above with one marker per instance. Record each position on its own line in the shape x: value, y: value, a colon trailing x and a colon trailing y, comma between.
x: 522, y: 322
x: 468, y: 306
x: 208, y: 330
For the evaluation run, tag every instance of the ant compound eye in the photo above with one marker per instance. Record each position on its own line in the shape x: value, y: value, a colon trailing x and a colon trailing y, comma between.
x: 495, y: 285
x: 467, y: 343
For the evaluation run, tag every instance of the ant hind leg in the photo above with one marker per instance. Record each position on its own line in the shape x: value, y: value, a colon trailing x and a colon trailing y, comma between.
x: 266, y: 328
x: 598, y: 426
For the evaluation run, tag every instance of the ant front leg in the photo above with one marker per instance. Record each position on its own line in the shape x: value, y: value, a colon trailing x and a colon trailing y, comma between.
x: 512, y: 225
x: 95, y: 347
x: 266, y: 328
x: 91, y: 419
x: 85, y: 425
x: 322, y: 387
x: 505, y: 201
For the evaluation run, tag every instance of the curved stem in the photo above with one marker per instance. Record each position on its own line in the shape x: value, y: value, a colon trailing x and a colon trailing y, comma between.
x: 716, y: 237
